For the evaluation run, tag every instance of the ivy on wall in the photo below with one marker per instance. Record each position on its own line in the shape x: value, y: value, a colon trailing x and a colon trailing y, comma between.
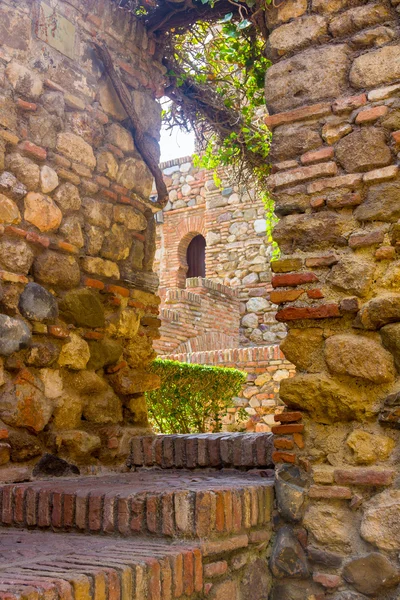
x: 192, y: 398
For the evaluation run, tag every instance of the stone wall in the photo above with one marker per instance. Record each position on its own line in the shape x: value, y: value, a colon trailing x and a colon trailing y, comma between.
x: 77, y: 293
x: 237, y: 253
x: 258, y: 401
x: 334, y: 101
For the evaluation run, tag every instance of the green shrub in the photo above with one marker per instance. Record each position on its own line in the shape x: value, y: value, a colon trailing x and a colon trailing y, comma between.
x: 192, y: 398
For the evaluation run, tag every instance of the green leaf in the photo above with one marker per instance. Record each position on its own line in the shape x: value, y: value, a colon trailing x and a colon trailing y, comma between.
x: 226, y: 18
x: 244, y: 24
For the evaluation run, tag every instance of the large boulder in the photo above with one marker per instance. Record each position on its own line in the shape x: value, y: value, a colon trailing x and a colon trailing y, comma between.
x: 368, y: 448
x: 57, y: 269
x: 311, y: 75
x: 359, y: 356
x: 376, y: 68
x: 372, y: 574
x: 329, y: 400
x: 332, y: 525
x: 382, y: 203
x: 303, y: 347
x: 380, y: 523
x: 310, y: 232
x: 353, y: 275
x: 363, y: 150
x: 14, y: 335
x: 23, y: 403
x: 37, y: 303
x: 380, y: 311
x: 83, y: 307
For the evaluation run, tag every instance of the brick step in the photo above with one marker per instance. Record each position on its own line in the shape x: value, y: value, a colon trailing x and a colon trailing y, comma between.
x: 36, y: 565
x: 172, y: 503
x: 207, y: 450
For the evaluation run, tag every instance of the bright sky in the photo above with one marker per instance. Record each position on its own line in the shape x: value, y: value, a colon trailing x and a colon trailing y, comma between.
x: 176, y: 143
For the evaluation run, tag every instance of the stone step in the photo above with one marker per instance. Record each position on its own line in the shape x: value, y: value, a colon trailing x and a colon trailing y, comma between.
x: 36, y: 565
x: 172, y: 503
x: 207, y: 450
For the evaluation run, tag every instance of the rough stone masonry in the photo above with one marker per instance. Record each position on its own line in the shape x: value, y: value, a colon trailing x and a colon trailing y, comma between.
x: 77, y: 293
x: 333, y: 94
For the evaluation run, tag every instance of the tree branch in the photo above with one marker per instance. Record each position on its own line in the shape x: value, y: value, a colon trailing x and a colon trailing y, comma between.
x: 139, y: 135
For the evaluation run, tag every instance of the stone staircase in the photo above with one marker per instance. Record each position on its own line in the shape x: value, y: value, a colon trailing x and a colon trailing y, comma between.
x: 192, y: 519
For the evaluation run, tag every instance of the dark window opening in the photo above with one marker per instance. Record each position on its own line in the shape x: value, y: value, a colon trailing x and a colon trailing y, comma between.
x: 196, y: 257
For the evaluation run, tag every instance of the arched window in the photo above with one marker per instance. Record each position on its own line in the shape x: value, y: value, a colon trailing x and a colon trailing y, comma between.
x: 196, y: 257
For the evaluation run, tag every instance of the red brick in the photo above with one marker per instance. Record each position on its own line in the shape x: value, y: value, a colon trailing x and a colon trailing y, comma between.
x: 330, y: 491
x: 321, y: 261
x: 367, y: 238
x: 117, y: 367
x: 137, y: 508
x: 120, y: 189
x: 19, y: 495
x: 177, y: 570
x: 198, y: 570
x: 95, y: 511
x: 315, y: 294
x: 327, y: 580
x: 324, y: 311
x: 152, y: 512
x: 317, y: 155
x: 56, y: 511
x: 33, y: 150
x: 317, y: 202
x: 302, y: 174
x: 298, y: 114
x: 93, y: 335
x: 342, y: 105
x: 285, y: 296
x: 298, y: 440
x: 31, y: 236
x: 219, y: 512
x: 288, y: 417
x: 15, y: 231
x: 167, y: 514
x: 124, y: 521
x: 70, y: 248
x: 396, y: 136
x: 188, y: 573
x: 110, y: 195
x: 117, y: 289
x: 364, y: 476
x: 350, y: 304
x: 69, y: 510
x: 385, y: 253
x: 215, y: 569
x: 58, y: 332
x: 286, y: 457
x: 28, y: 106
x: 80, y: 510
x: 345, y: 200
x: 352, y: 180
x: 293, y: 279
x: 371, y: 114
x: 3, y: 434
x: 44, y: 509
x: 287, y: 428
x: 283, y: 444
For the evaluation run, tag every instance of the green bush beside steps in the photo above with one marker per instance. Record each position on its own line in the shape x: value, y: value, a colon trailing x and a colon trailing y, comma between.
x: 192, y: 398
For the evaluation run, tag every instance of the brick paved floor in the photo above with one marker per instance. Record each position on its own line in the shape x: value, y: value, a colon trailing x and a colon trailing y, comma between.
x: 170, y: 503
x: 36, y: 565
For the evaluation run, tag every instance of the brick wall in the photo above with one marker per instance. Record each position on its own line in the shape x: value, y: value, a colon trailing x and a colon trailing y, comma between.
x: 334, y: 101
x: 77, y: 293
x: 237, y: 253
